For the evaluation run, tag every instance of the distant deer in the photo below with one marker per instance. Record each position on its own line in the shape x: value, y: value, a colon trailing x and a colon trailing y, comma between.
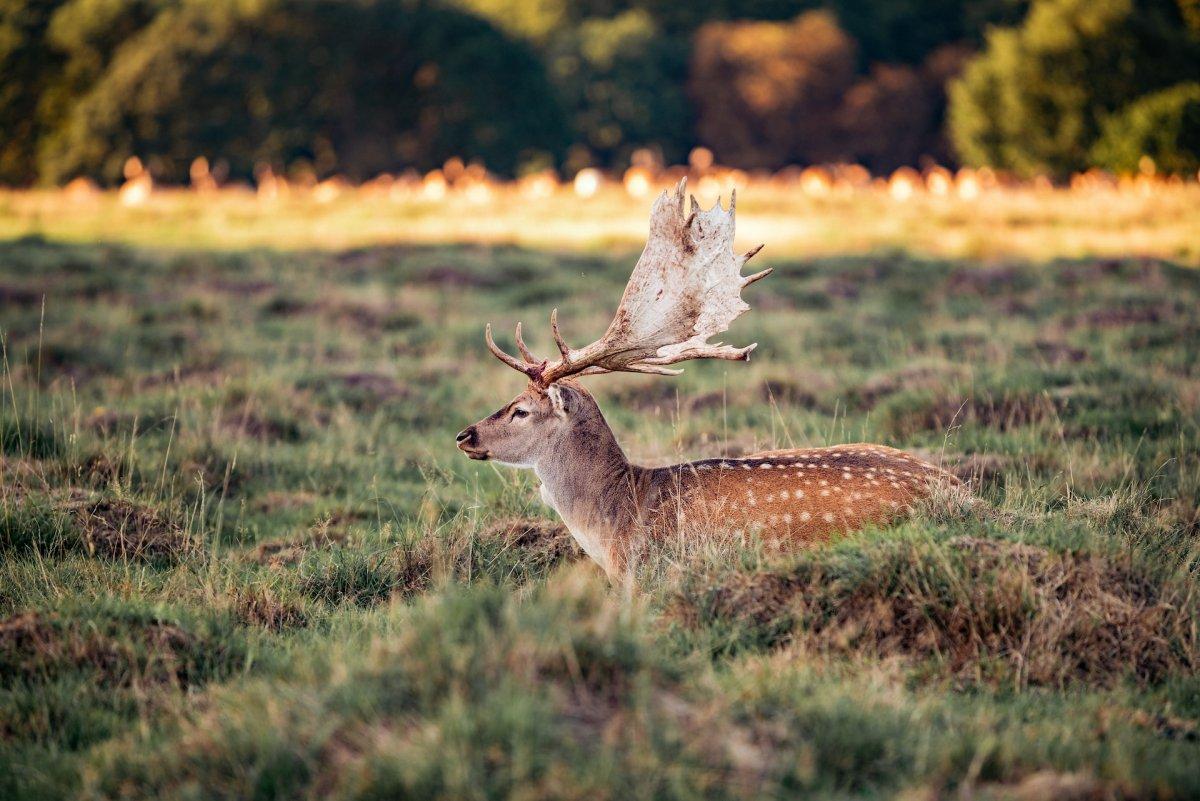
x: 685, y: 288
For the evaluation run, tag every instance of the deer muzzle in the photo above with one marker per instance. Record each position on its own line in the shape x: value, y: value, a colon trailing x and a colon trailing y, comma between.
x: 468, y: 443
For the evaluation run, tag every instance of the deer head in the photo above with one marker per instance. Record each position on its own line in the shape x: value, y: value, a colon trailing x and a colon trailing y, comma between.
x: 685, y: 288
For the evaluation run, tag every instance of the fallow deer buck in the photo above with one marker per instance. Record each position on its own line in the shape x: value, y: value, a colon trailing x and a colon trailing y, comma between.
x: 685, y: 288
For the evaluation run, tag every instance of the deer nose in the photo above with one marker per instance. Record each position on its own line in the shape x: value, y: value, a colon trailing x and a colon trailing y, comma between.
x: 468, y: 437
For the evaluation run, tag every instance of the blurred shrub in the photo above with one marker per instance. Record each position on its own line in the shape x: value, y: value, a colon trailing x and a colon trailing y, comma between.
x: 27, y: 67
x: 765, y: 93
x: 622, y: 83
x: 908, y: 31
x: 359, y: 86
x: 1164, y: 126
x: 769, y: 94
x: 1036, y: 99
x: 532, y: 20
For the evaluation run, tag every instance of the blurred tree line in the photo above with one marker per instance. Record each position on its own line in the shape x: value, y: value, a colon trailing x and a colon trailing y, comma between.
x: 364, y: 86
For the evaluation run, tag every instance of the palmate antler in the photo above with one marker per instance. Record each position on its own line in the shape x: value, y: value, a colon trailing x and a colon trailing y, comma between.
x: 685, y: 288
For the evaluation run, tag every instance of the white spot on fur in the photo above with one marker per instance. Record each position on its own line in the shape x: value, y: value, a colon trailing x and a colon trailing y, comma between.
x: 828, y: 517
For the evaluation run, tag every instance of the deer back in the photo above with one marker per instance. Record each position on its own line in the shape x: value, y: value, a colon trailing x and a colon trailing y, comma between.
x: 796, y: 495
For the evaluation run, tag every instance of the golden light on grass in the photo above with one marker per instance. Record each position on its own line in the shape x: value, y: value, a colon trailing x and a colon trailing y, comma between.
x: 939, y: 181
x: 815, y: 182
x: 638, y: 181
x: 138, y: 184
x: 903, y: 183
x: 587, y: 182
x: 820, y: 210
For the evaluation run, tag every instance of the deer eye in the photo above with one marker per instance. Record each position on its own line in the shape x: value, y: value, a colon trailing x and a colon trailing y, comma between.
x: 519, y: 413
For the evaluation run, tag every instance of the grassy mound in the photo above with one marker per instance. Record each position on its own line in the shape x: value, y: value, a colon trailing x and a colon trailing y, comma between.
x: 975, y: 610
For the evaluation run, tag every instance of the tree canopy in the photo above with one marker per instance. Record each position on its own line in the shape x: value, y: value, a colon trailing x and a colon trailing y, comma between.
x: 362, y: 86
x: 1036, y: 100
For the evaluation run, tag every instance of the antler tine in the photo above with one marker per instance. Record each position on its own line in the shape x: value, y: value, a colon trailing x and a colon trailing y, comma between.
x: 636, y: 367
x: 563, y: 347
x: 516, y: 364
x: 750, y: 279
x: 651, y: 369
x: 717, y: 351
x: 525, y: 354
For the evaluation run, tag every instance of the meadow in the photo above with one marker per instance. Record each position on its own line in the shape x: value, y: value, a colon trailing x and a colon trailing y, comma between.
x: 241, y: 558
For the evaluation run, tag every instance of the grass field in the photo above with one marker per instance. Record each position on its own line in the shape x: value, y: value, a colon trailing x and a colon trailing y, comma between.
x: 240, y: 557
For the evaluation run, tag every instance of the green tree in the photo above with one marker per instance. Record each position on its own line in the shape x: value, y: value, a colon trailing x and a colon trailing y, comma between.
x: 1164, y: 126
x: 358, y: 87
x: 1035, y: 100
x: 28, y: 68
x: 622, y: 85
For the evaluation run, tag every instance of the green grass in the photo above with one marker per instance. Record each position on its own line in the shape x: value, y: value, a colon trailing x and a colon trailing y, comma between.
x: 241, y: 558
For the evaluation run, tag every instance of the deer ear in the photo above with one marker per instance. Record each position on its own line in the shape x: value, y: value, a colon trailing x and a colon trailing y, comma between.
x: 562, y: 399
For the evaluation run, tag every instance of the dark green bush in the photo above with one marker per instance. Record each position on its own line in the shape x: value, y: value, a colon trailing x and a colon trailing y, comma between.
x: 356, y: 87
x: 1164, y: 126
x: 1035, y: 100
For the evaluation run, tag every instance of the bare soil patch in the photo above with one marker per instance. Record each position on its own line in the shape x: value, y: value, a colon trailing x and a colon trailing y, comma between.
x: 941, y: 412
x: 116, y: 528
x: 915, y: 378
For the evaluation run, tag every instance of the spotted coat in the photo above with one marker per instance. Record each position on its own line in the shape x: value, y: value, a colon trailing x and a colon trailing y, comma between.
x: 794, y: 496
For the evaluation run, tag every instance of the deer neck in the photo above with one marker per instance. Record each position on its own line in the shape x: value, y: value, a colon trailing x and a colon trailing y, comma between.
x: 593, y: 487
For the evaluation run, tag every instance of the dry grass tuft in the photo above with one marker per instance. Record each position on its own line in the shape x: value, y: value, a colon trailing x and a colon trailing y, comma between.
x: 285, y: 552
x: 541, y: 541
x: 936, y: 412
x: 34, y: 645
x: 117, y: 528
x: 514, y: 548
x: 979, y: 468
x: 259, y: 607
x: 990, y: 611
x: 1049, y: 785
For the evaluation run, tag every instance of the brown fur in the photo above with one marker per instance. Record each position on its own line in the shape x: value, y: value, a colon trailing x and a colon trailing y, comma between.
x: 786, y: 497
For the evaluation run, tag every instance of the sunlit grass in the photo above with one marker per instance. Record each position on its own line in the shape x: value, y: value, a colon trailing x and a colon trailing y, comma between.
x: 1157, y: 219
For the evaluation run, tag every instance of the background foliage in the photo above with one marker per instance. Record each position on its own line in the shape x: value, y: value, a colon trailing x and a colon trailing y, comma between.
x: 364, y: 86
x: 1040, y: 95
